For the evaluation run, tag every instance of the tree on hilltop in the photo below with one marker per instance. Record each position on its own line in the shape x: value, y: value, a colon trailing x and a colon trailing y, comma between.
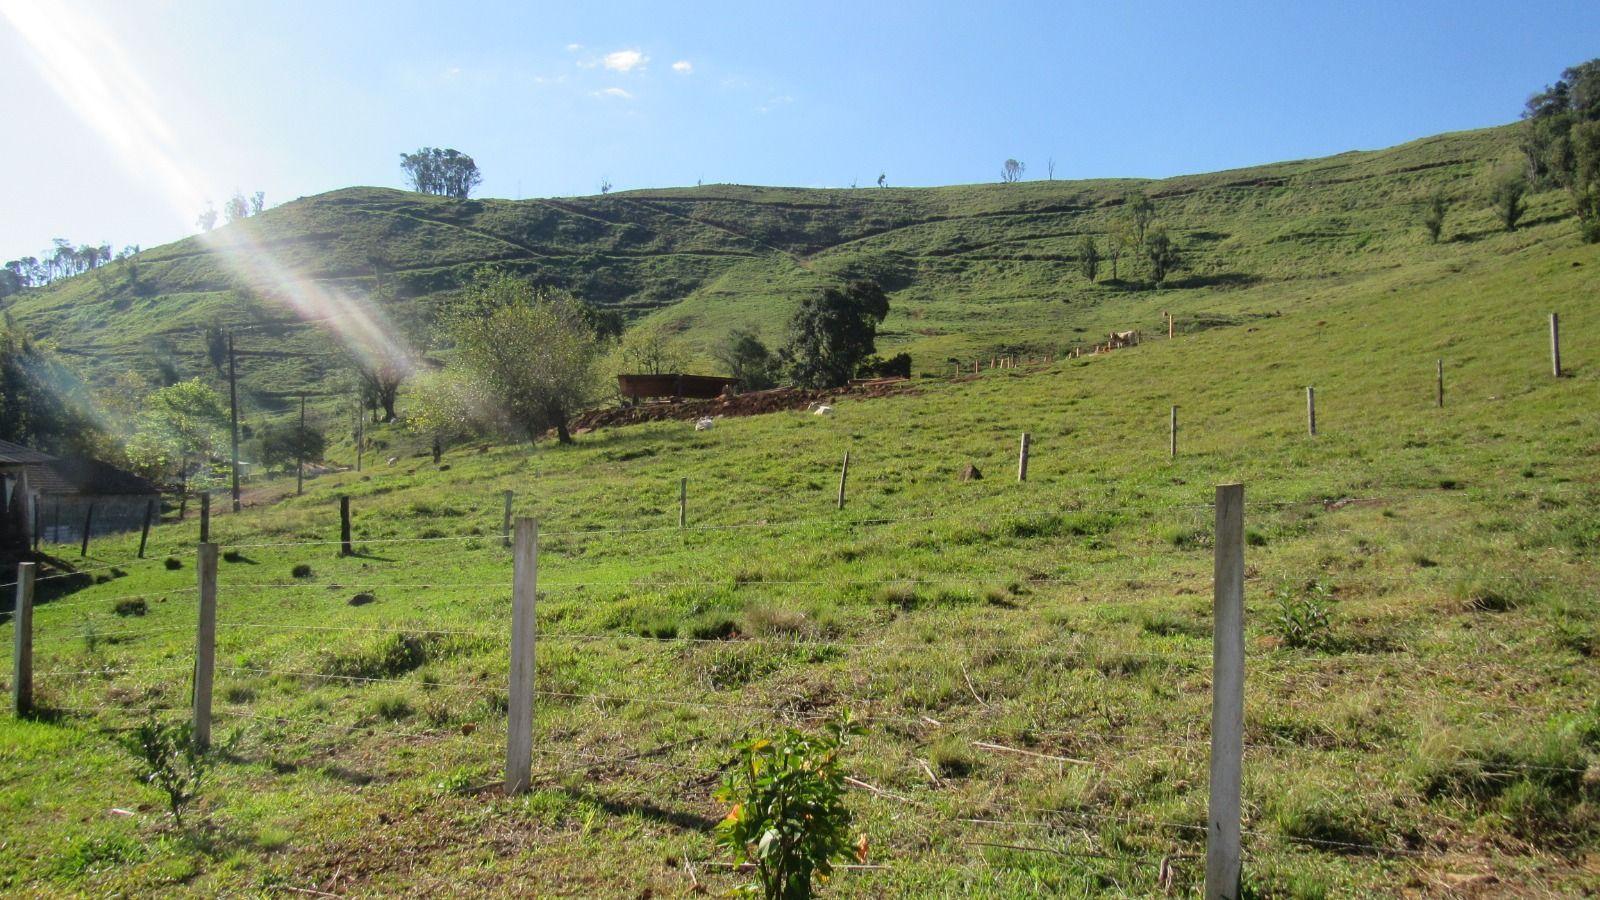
x: 1560, y: 138
x: 442, y: 172
x: 1011, y: 171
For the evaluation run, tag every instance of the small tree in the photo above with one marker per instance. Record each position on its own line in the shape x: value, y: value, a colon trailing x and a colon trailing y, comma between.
x: 529, y: 356
x: 258, y: 202
x: 788, y: 815
x: 883, y: 179
x: 1507, y: 195
x: 207, y: 220
x: 181, y: 425
x: 216, y: 337
x: 1162, y: 252
x: 1011, y: 171
x: 746, y: 358
x: 831, y: 334
x: 284, y: 445
x: 1433, y: 216
x: 170, y: 761
x: 1141, y: 212
x: 1088, y: 257
x: 653, y: 349
x: 236, y: 208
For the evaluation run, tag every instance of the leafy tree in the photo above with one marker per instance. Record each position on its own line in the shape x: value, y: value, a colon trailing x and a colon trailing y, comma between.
x: 284, y: 445
x: 1088, y: 257
x: 1433, y: 216
x: 1161, y: 251
x: 746, y: 358
x: 444, y: 406
x: 207, y: 220
x: 382, y: 370
x: 42, y: 402
x: 1119, y: 242
x: 1141, y: 212
x: 831, y: 333
x: 236, y: 208
x: 444, y: 172
x: 789, y: 817
x: 1507, y: 195
x: 528, y: 356
x: 653, y: 350
x: 180, y: 425
x: 1011, y: 171
x: 883, y: 179
x: 1561, y: 141
x: 216, y: 337
x: 258, y: 202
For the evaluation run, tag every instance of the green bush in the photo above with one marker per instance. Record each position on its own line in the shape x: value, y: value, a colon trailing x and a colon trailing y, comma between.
x: 1300, y: 616
x: 131, y: 606
x: 788, y: 817
x: 170, y: 760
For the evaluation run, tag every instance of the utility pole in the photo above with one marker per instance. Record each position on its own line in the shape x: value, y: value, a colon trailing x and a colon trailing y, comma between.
x: 233, y: 403
x: 300, y: 451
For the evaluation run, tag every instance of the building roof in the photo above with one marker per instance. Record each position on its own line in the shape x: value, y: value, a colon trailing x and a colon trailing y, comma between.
x: 86, y: 477
x: 16, y: 454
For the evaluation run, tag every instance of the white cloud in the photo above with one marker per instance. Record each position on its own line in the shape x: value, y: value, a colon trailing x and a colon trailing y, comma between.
x: 616, y: 92
x: 774, y: 103
x: 452, y: 72
x: 574, y: 48
x: 683, y: 67
x: 624, y: 60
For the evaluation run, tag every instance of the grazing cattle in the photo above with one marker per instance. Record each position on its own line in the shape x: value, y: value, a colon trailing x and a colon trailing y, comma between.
x: 704, y: 423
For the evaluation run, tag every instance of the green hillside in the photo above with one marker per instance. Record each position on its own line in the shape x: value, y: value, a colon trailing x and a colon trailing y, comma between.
x: 1421, y: 620
x: 972, y: 269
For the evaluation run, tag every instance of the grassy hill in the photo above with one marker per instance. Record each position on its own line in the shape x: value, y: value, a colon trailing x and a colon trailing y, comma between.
x: 1438, y: 735
x: 972, y: 269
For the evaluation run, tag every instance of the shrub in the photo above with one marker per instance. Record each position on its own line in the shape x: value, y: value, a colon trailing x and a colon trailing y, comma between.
x: 788, y: 815
x: 712, y: 626
x: 388, y: 657
x: 131, y: 606
x: 173, y: 563
x: 301, y: 570
x: 392, y: 707
x: 1301, y: 616
x: 1484, y: 592
x: 170, y: 761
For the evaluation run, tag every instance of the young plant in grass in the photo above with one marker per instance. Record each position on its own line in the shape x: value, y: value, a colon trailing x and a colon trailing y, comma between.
x: 170, y: 761
x: 788, y: 815
x: 1301, y: 616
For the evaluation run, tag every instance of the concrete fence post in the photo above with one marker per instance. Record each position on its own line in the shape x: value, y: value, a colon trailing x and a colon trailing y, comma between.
x: 524, y: 633
x: 683, y: 502
x: 205, y: 644
x: 1227, y: 698
x: 844, y: 473
x: 505, y: 522
x: 1555, y: 344
x: 22, y: 645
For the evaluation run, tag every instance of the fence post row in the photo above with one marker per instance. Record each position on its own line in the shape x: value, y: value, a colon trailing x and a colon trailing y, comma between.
x: 22, y: 647
x: 844, y: 473
x: 1555, y: 344
x: 1227, y: 698
x: 88, y: 523
x: 524, y: 632
x: 1022, y: 458
x: 205, y: 650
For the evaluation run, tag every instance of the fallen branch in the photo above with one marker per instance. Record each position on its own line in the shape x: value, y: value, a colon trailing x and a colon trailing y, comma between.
x: 982, y: 745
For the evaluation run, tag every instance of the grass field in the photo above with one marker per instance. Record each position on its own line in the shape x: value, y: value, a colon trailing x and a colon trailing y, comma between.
x: 1439, y: 735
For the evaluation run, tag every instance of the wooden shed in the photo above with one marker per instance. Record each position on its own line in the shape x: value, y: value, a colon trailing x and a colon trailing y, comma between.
x: 55, y: 499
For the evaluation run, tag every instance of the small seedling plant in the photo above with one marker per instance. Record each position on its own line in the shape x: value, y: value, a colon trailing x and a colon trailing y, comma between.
x: 788, y: 817
x: 1302, y: 616
x: 170, y: 761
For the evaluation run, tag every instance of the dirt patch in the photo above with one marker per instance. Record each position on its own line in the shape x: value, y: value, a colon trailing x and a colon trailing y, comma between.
x: 751, y: 404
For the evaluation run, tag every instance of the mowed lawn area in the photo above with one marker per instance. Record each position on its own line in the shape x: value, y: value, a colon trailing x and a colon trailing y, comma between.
x: 1421, y: 624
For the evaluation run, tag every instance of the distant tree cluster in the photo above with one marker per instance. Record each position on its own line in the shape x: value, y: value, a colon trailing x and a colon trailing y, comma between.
x: 63, y: 260
x: 1132, y: 233
x: 1561, y: 143
x: 235, y: 208
x: 444, y: 172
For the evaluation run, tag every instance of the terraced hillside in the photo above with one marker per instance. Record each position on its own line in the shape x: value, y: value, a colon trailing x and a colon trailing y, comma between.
x: 973, y: 269
x: 1032, y: 660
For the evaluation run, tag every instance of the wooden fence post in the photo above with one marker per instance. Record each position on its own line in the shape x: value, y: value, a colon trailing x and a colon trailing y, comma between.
x: 1170, y: 330
x: 524, y: 633
x: 505, y: 523
x: 344, y: 526
x: 144, y: 533
x: 844, y: 473
x: 683, y: 502
x: 88, y: 523
x: 1555, y: 345
x: 38, y: 524
x: 1227, y: 698
x: 1311, y: 410
x: 1022, y: 458
x: 205, y: 517
x: 22, y: 647
x: 1173, y: 438
x: 205, y: 644
x: 1438, y: 393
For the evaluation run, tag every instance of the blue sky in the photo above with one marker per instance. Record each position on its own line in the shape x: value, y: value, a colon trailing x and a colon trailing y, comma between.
x: 124, y: 118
